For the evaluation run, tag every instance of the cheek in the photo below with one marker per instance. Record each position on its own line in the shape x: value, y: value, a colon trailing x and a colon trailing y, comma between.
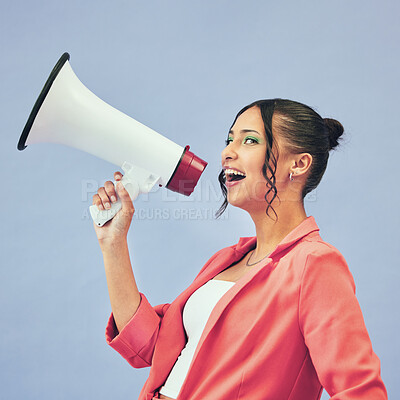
x: 260, y: 188
x: 256, y: 185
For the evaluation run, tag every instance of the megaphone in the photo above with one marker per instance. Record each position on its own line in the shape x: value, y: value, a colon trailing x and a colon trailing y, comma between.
x: 68, y: 113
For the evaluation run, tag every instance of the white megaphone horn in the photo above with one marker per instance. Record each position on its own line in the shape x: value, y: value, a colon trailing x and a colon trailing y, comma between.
x: 68, y: 113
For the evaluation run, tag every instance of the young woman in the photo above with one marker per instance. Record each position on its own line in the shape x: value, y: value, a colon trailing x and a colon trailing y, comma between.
x: 272, y: 317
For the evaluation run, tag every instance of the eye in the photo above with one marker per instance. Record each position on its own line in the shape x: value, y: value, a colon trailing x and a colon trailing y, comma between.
x: 228, y: 141
x: 250, y: 140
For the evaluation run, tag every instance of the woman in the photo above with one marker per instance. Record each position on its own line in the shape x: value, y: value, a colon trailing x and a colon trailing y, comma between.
x: 272, y: 317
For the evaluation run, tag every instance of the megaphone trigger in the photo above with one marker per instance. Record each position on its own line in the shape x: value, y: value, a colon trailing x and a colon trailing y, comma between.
x: 138, y: 180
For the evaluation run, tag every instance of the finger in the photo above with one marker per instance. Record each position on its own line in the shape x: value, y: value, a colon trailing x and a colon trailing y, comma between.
x: 118, y: 176
x: 97, y: 202
x: 110, y: 190
x: 126, y: 201
x: 104, y: 198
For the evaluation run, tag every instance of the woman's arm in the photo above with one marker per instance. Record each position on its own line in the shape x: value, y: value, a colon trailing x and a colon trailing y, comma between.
x: 122, y: 288
x: 133, y: 326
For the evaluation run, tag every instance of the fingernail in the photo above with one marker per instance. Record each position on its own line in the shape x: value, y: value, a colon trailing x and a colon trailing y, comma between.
x: 107, y: 205
x: 113, y: 199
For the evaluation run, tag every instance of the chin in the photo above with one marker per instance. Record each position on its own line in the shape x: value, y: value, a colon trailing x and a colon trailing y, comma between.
x: 240, y: 202
x: 237, y: 203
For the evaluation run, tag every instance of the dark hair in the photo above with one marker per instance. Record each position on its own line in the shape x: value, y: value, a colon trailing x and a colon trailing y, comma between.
x: 303, y: 130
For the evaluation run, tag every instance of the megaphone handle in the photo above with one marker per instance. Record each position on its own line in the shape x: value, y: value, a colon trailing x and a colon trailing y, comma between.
x: 100, y: 217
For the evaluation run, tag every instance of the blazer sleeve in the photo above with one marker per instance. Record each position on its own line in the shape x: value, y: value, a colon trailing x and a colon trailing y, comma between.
x: 137, y: 339
x: 334, y: 330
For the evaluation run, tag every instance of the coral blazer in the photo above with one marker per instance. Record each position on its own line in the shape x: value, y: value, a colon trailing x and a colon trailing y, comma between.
x: 289, y: 327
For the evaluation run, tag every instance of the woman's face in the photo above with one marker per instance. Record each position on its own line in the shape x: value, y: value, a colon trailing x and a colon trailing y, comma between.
x: 243, y: 159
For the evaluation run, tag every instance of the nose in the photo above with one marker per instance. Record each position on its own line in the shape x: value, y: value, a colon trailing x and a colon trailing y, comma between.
x: 229, y: 152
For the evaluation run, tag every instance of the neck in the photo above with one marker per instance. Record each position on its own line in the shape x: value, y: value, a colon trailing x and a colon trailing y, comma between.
x: 270, y: 233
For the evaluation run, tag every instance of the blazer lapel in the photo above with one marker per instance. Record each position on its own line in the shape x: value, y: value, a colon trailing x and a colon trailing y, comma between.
x: 266, y: 267
x: 221, y: 262
x: 172, y: 337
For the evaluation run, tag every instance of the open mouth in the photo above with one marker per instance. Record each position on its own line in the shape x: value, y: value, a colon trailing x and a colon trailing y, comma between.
x: 233, y: 175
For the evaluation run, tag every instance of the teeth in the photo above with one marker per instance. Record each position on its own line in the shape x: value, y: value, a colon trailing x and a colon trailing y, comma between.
x: 233, y: 172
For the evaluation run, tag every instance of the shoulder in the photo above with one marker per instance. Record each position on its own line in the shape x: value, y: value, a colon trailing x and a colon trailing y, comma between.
x: 316, y: 248
x: 312, y: 257
x: 311, y: 246
x: 325, y: 263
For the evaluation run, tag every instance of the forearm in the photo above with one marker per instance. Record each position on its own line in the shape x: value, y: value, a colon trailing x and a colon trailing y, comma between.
x: 122, y: 288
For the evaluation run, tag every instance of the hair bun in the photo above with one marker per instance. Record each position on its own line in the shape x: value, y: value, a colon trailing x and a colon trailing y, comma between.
x: 335, y: 130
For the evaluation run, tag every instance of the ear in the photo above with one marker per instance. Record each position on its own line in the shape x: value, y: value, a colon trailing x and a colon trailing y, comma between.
x: 301, y: 164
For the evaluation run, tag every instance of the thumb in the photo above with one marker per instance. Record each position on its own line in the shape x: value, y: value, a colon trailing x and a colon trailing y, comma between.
x: 126, y: 200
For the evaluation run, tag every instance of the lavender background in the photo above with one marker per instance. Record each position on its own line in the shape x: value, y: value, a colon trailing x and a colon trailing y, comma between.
x: 184, y: 69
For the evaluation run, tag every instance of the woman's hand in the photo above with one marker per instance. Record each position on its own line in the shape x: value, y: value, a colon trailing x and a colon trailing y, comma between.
x: 116, y: 229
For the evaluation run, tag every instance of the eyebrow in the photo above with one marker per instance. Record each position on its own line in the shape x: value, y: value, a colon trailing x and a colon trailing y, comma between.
x: 245, y: 131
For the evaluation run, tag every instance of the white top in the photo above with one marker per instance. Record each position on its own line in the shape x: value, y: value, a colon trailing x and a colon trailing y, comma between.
x: 195, y: 315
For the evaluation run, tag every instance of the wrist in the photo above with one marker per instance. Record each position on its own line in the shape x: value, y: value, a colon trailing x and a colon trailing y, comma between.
x: 111, y: 245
